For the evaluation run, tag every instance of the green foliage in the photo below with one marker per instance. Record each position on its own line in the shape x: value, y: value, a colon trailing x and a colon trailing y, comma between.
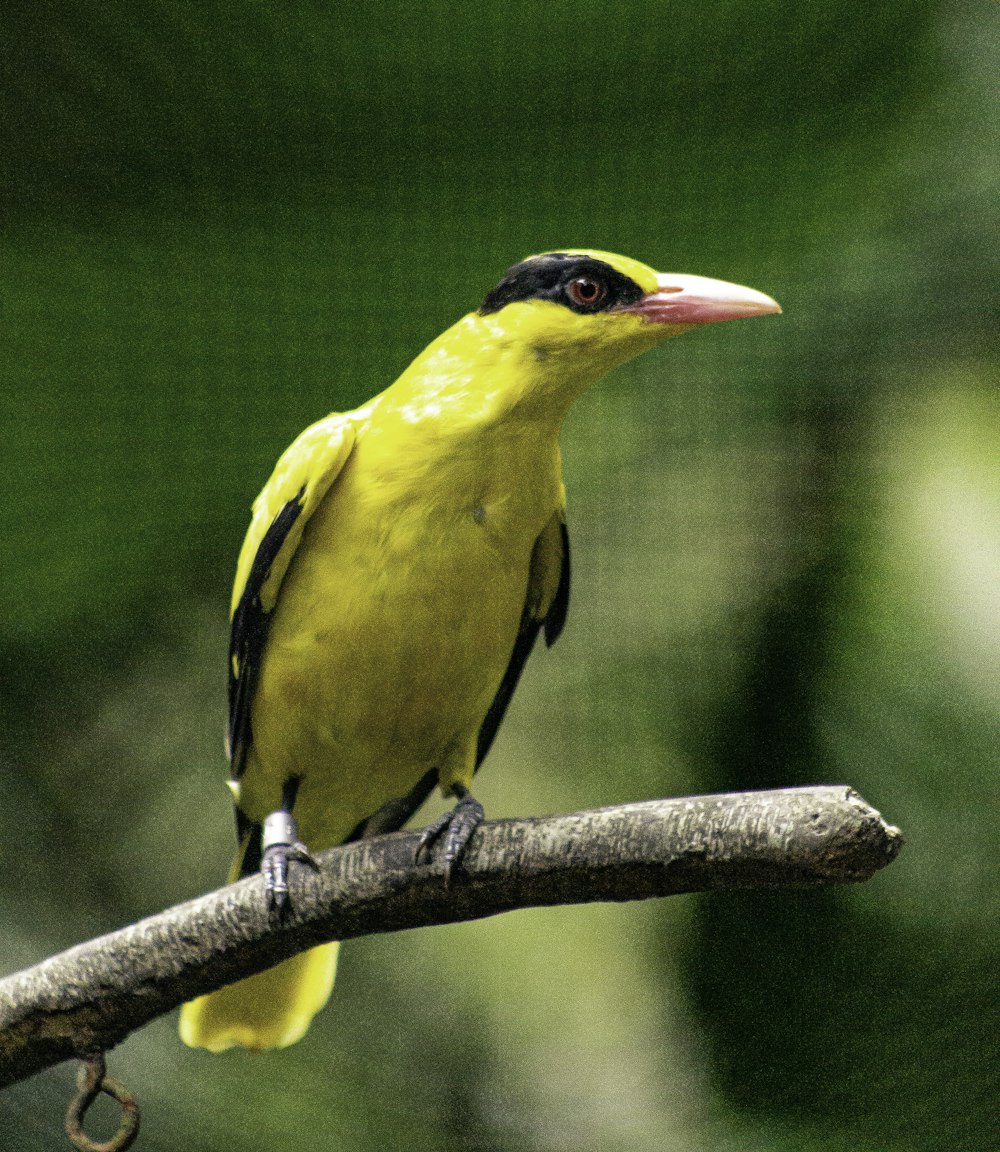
x: 224, y: 220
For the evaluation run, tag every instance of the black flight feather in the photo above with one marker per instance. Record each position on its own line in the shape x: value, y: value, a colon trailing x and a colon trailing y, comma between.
x: 249, y: 633
x: 553, y: 623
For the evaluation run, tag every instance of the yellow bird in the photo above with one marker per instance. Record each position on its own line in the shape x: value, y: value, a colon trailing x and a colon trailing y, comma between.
x: 399, y: 565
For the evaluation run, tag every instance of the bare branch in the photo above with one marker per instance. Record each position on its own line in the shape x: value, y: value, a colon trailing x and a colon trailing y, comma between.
x: 91, y: 997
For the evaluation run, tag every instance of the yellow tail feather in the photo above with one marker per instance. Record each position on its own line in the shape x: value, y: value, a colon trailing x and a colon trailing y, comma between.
x: 270, y: 1010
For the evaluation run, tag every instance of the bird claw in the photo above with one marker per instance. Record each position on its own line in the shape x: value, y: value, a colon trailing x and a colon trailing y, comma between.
x: 280, y: 845
x: 460, y: 824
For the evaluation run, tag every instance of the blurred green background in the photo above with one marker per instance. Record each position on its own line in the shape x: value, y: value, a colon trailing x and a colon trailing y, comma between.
x: 221, y: 221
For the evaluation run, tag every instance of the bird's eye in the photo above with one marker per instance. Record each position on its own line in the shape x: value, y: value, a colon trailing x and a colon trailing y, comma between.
x: 586, y: 291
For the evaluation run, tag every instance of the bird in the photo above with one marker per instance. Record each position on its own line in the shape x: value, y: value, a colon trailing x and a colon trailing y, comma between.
x: 400, y: 564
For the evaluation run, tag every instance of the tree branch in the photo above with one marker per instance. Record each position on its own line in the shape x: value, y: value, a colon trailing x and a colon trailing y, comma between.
x: 91, y: 997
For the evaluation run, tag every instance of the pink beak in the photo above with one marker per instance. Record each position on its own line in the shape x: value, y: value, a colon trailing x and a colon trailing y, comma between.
x: 681, y: 299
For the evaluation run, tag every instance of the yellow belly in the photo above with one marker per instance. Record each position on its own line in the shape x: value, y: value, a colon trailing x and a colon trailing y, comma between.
x: 393, y: 630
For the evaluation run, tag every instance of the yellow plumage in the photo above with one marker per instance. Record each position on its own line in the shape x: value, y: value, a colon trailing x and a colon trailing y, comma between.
x: 428, y: 531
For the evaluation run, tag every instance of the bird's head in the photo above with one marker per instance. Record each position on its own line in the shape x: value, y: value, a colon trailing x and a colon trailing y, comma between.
x: 586, y: 311
x: 553, y: 326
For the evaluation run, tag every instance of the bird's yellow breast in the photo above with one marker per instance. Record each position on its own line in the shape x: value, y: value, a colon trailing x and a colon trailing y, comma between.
x: 398, y: 615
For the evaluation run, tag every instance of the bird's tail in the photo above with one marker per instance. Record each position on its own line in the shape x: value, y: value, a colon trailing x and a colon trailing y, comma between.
x: 270, y: 1010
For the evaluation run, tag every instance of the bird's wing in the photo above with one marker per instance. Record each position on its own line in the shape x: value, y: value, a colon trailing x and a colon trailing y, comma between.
x: 299, y: 482
x: 545, y: 607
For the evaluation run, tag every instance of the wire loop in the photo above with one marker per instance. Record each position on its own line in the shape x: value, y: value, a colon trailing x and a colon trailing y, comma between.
x: 91, y: 1081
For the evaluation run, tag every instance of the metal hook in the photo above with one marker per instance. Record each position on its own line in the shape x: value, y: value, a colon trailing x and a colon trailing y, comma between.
x: 91, y: 1080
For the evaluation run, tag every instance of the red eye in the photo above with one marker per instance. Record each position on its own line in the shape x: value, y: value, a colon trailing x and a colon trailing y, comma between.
x: 585, y: 291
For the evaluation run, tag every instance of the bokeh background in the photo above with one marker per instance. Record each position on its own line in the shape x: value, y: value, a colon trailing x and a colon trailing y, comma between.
x: 221, y: 221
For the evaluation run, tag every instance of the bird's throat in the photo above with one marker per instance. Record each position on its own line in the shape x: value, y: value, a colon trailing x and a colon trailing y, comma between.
x: 480, y: 374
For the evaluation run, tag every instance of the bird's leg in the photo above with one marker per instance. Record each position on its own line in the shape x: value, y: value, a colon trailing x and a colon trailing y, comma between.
x: 459, y: 823
x: 395, y: 813
x: 279, y: 844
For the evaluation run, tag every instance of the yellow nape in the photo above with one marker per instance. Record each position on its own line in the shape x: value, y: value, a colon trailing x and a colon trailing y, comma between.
x: 270, y: 1010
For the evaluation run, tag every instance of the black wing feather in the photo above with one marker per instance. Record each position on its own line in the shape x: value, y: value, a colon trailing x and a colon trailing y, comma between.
x: 249, y: 633
x: 527, y: 634
x: 555, y: 621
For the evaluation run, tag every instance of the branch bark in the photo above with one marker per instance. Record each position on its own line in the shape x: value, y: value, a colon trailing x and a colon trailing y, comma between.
x: 91, y: 997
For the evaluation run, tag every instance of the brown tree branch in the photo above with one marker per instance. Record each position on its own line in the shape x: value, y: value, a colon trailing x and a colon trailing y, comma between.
x: 90, y: 998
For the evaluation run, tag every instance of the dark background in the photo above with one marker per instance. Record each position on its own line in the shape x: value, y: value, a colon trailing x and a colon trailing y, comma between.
x: 221, y: 221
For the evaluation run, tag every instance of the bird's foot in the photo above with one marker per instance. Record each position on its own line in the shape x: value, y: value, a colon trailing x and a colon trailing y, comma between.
x: 460, y: 823
x: 280, y: 843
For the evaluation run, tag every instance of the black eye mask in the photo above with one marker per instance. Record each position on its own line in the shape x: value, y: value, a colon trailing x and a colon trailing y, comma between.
x: 549, y: 277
